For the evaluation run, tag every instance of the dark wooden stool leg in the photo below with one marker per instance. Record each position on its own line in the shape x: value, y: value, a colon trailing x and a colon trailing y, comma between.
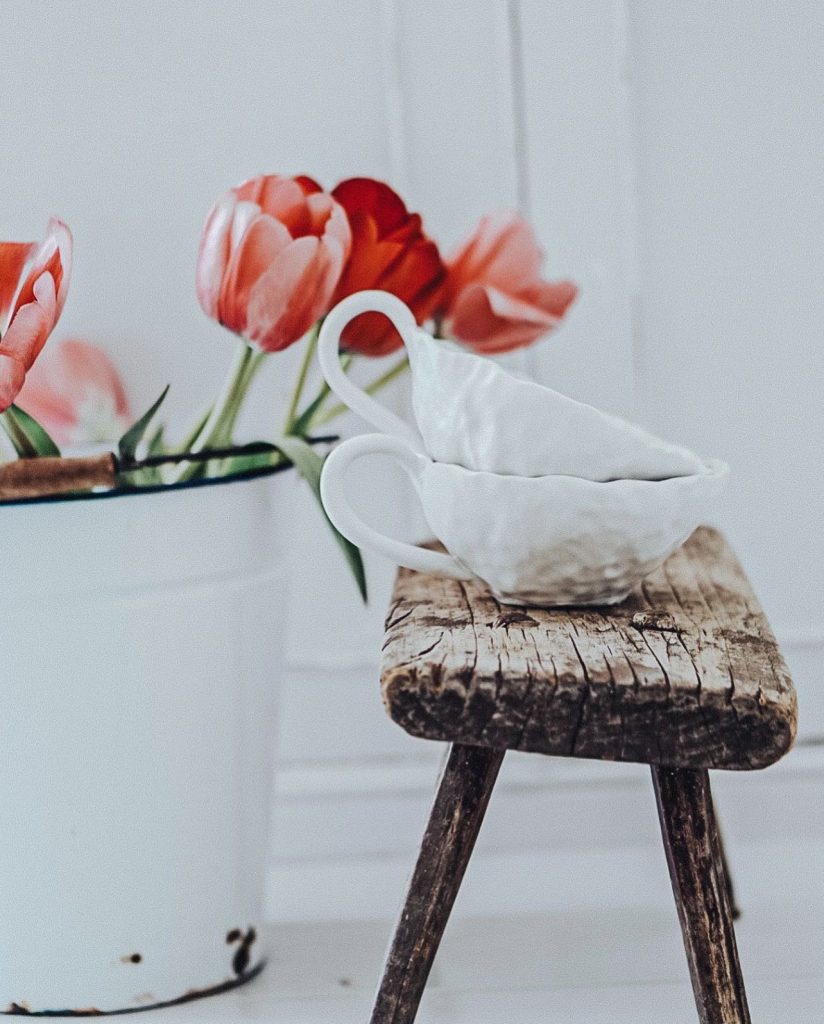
x: 465, y: 788
x: 701, y: 895
x: 723, y: 866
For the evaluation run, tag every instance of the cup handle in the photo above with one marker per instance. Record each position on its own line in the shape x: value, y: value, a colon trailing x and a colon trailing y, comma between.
x: 328, y: 356
x: 347, y: 521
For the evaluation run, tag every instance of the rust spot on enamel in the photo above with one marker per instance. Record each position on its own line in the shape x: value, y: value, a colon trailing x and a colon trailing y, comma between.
x: 242, y: 957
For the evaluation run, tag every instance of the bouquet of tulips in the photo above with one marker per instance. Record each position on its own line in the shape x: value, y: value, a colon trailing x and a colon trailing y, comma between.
x: 276, y: 254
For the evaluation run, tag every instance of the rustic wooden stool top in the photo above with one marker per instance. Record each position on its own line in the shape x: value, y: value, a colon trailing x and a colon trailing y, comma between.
x: 684, y: 676
x: 685, y: 673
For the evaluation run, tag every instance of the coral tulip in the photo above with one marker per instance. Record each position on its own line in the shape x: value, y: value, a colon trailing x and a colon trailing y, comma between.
x: 390, y: 252
x: 495, y: 298
x: 75, y: 392
x: 271, y: 254
x: 34, y: 281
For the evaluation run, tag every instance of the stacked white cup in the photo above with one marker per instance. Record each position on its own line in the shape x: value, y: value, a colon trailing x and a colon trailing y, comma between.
x: 548, y: 500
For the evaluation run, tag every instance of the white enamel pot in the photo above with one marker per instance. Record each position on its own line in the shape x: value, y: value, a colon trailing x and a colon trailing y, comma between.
x: 141, y: 639
x: 549, y: 540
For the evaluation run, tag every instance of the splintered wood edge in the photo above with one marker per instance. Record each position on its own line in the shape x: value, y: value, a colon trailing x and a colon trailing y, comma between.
x: 691, y: 677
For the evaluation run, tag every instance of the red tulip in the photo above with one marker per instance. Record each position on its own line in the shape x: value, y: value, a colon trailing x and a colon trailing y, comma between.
x: 34, y: 281
x: 75, y: 392
x: 390, y: 252
x: 495, y: 298
x: 271, y: 254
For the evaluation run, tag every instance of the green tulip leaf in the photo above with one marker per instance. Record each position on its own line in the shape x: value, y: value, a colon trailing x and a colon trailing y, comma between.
x: 128, y: 444
x: 309, y: 464
x: 188, y: 441
x: 29, y: 439
x: 156, y: 444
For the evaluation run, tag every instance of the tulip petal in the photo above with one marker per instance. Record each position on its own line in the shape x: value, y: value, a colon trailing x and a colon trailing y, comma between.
x: 31, y: 324
x: 65, y: 246
x: 554, y: 297
x: 514, y: 307
x: 337, y: 231
x: 213, y: 254
x: 243, y: 216
x: 285, y: 199
x: 13, y: 259
x: 292, y: 294
x: 53, y: 257
x: 309, y: 185
x: 368, y: 257
x: 417, y: 274
x: 490, y: 321
x: 52, y: 410
x: 502, y: 252
x: 75, y: 392
x: 375, y: 198
x: 371, y: 334
x: 262, y: 241
x: 273, y: 193
x: 46, y: 260
x: 21, y: 343
x: 12, y: 376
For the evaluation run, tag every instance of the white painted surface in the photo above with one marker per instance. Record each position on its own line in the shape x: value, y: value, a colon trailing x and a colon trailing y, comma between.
x: 579, y: 169
x: 669, y: 159
x: 731, y: 216
x: 596, y: 962
x: 344, y: 842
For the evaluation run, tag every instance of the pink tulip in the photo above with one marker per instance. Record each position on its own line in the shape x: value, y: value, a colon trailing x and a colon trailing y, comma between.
x: 75, y: 392
x: 271, y: 254
x: 34, y: 281
x: 496, y: 300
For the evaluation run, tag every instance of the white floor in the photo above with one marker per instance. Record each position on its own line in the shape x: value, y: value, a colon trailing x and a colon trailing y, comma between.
x: 607, y: 967
x: 565, y: 916
x: 570, y: 921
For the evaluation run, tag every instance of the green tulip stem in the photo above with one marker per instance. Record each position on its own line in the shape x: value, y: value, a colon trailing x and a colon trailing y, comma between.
x: 218, y: 427
x: 252, y: 367
x: 371, y: 389
x: 225, y: 408
x: 303, y: 373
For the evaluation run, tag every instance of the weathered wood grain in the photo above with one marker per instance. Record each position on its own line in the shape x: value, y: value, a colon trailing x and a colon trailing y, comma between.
x: 692, y: 847
x: 686, y: 672
x: 457, y: 814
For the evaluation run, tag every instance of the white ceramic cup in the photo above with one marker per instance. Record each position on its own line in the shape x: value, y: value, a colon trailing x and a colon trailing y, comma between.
x: 550, y: 540
x: 472, y: 413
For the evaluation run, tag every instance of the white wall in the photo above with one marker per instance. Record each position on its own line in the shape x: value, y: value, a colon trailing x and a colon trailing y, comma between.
x: 730, y: 128
x: 670, y: 160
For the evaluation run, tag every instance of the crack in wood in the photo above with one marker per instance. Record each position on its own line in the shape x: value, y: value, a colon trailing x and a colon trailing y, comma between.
x: 429, y: 649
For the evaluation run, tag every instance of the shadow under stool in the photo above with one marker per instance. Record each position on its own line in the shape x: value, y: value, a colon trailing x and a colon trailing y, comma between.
x: 684, y: 676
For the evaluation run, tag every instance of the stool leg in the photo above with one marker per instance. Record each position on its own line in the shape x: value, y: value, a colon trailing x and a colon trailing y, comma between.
x: 701, y: 895
x: 457, y: 813
x: 724, y: 872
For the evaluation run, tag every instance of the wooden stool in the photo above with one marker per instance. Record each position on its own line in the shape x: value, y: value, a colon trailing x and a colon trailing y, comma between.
x: 685, y: 676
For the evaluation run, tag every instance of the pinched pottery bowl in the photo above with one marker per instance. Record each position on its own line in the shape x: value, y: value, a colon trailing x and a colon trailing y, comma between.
x: 546, y: 540
x: 471, y: 412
